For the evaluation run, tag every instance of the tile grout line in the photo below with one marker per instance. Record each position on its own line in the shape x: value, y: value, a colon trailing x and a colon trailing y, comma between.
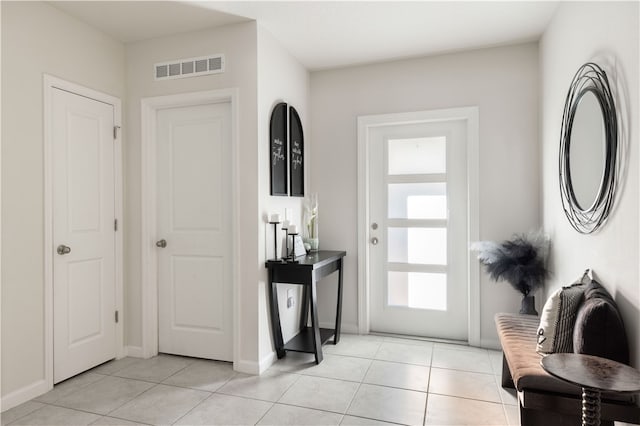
x: 122, y: 418
x: 386, y: 386
x: 192, y: 408
x: 289, y: 387
x: 126, y: 402
x: 318, y: 409
x: 290, y: 404
x: 273, y: 404
x: 504, y: 406
x: 25, y: 415
x: 463, y: 371
x: 466, y: 398
x: 353, y: 397
x: 426, y: 402
x: 137, y: 396
x: 72, y: 391
x: 45, y: 404
x: 371, y: 360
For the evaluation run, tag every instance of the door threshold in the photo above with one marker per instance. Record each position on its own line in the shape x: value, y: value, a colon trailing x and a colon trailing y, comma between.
x: 421, y: 338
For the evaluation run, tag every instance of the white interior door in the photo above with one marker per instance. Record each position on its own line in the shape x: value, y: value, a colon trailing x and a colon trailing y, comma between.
x: 193, y: 231
x: 418, y: 229
x: 83, y: 233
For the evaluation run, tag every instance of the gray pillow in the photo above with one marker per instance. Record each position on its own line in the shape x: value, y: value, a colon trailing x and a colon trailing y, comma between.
x: 599, y: 329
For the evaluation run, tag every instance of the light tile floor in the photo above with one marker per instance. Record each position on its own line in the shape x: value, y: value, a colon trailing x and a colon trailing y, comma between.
x: 364, y: 380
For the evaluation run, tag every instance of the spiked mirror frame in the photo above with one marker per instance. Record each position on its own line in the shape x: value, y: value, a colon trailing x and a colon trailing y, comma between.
x: 589, y: 78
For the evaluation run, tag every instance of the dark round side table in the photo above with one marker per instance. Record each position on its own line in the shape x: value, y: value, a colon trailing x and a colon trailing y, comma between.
x: 594, y: 375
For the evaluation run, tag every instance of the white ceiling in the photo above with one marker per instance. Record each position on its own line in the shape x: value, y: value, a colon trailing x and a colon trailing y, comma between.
x: 131, y: 21
x: 330, y: 34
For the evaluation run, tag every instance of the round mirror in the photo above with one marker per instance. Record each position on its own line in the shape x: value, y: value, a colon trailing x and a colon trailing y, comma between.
x: 587, y: 149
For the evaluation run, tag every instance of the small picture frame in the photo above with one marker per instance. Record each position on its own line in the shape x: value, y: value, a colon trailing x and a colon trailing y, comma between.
x: 298, y: 246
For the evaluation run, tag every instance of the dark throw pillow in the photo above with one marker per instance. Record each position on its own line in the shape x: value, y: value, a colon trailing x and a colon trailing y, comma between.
x: 599, y: 329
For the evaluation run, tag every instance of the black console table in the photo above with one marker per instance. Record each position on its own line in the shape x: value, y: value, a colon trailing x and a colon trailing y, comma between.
x: 307, y: 271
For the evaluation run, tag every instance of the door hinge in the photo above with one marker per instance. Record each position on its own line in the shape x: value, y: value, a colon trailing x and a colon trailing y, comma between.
x: 116, y: 317
x: 115, y: 132
x: 115, y: 224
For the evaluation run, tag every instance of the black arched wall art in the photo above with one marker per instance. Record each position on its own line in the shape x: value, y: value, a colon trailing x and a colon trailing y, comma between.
x: 278, y: 149
x: 296, y: 154
x: 286, y: 152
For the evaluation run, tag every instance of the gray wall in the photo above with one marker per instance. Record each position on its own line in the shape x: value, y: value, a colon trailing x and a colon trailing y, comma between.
x: 607, y: 33
x: 281, y: 78
x: 239, y: 45
x: 502, y: 82
x: 36, y: 39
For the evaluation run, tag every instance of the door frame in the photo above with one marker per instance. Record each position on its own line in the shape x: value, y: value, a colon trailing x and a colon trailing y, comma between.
x: 149, y: 294
x: 365, y: 124
x: 51, y: 83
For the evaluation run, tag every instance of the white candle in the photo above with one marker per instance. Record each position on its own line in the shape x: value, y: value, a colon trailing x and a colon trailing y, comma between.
x: 285, y: 224
x: 293, y: 229
x: 275, y: 217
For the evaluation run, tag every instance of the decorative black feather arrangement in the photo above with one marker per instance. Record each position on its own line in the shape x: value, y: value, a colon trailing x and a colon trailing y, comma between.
x: 521, y: 261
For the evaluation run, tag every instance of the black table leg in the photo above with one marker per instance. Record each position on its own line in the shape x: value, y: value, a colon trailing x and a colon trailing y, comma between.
x: 336, y: 336
x: 317, y: 343
x: 304, y: 315
x: 590, y: 407
x: 275, y: 317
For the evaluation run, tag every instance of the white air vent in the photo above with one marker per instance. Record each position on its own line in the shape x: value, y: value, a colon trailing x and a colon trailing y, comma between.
x: 191, y: 67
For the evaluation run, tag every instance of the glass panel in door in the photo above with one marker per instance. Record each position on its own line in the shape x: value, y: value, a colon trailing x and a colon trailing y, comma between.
x: 418, y: 197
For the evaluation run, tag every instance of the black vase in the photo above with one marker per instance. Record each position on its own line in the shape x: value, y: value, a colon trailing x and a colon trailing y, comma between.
x: 528, y: 306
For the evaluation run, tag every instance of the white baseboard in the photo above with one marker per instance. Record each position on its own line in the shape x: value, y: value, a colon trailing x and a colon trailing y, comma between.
x: 256, y: 368
x: 134, y: 351
x: 490, y: 344
x: 247, y: 367
x: 24, y: 394
x: 267, y: 362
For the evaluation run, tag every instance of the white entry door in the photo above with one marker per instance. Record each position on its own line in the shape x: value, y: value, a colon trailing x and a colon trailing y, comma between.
x: 417, y: 233
x: 193, y: 177
x: 83, y: 233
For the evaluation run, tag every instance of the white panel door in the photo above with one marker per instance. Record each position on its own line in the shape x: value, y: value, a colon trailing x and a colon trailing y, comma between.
x: 418, y: 230
x: 83, y: 234
x: 194, y: 224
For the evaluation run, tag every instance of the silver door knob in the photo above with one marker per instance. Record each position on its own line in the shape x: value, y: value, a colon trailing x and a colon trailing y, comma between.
x: 62, y: 249
x: 374, y: 241
x: 161, y: 243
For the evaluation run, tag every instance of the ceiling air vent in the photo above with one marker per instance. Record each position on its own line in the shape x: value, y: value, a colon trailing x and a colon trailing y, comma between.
x: 191, y: 67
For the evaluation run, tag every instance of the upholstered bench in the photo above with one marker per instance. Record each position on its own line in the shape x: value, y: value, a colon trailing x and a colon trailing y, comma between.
x: 543, y: 399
